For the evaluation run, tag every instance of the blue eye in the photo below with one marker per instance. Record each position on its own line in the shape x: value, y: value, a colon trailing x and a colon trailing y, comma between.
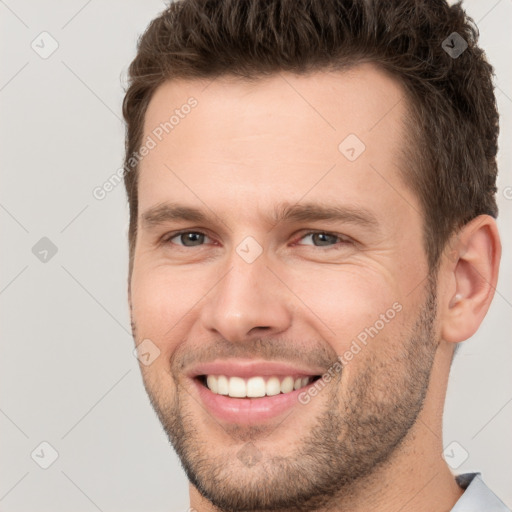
x: 197, y: 238
x: 188, y: 238
x: 323, y: 239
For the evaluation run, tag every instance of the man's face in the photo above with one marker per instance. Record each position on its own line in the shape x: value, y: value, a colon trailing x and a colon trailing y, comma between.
x: 236, y: 294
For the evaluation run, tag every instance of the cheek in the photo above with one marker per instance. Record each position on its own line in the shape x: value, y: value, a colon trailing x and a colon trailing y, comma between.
x: 360, y: 314
x: 161, y: 305
x: 347, y: 300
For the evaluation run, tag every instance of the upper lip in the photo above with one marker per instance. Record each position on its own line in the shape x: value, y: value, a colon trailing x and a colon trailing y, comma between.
x: 252, y: 368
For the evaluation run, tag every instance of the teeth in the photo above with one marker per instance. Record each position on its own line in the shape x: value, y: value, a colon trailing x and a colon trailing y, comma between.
x: 222, y: 385
x: 273, y: 386
x: 237, y: 387
x: 287, y: 385
x: 255, y: 387
x: 212, y: 383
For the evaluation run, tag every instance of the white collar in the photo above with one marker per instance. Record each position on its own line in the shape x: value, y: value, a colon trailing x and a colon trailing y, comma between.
x: 477, y: 496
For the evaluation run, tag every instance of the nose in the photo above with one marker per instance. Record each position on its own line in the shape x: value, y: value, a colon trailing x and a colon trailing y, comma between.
x: 248, y: 302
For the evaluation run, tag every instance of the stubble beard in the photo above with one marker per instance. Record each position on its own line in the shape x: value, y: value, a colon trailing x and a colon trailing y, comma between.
x: 353, y: 436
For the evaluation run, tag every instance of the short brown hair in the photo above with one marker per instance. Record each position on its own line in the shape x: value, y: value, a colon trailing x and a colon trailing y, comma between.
x: 452, y: 109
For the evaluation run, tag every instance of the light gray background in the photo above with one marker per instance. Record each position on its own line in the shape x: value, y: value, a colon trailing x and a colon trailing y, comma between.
x: 68, y: 376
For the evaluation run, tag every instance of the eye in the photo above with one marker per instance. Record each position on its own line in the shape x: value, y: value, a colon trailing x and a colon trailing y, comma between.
x: 324, y: 239
x: 317, y: 239
x: 186, y: 238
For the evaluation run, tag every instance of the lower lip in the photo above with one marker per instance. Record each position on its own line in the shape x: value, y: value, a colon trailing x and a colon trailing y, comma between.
x: 248, y: 411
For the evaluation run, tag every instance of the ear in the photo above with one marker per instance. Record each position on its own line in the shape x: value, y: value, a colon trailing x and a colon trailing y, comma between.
x: 470, y: 269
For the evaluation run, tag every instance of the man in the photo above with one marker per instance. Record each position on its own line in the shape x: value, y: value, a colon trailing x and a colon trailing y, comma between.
x: 312, y: 232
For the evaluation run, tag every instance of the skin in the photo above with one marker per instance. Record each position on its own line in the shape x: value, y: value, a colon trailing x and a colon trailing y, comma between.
x: 372, y: 438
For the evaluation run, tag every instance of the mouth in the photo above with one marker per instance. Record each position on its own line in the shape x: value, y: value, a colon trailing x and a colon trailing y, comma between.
x: 253, y: 401
x: 256, y: 386
x: 251, y: 392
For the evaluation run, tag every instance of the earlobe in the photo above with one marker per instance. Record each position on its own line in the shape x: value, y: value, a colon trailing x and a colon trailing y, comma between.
x: 474, y: 270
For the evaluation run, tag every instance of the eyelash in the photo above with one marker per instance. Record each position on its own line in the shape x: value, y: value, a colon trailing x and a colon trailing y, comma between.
x: 344, y: 240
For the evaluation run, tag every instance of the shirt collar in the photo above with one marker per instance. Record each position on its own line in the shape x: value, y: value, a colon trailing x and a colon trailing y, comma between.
x: 477, y: 496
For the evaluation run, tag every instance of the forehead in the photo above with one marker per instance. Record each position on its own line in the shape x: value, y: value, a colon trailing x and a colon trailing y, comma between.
x: 339, y: 133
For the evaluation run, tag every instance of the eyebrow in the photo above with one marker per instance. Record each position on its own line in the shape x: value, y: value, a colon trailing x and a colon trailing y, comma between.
x: 286, y: 213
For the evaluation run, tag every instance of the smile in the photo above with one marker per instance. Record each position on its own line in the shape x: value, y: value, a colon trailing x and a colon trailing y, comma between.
x: 254, y: 387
